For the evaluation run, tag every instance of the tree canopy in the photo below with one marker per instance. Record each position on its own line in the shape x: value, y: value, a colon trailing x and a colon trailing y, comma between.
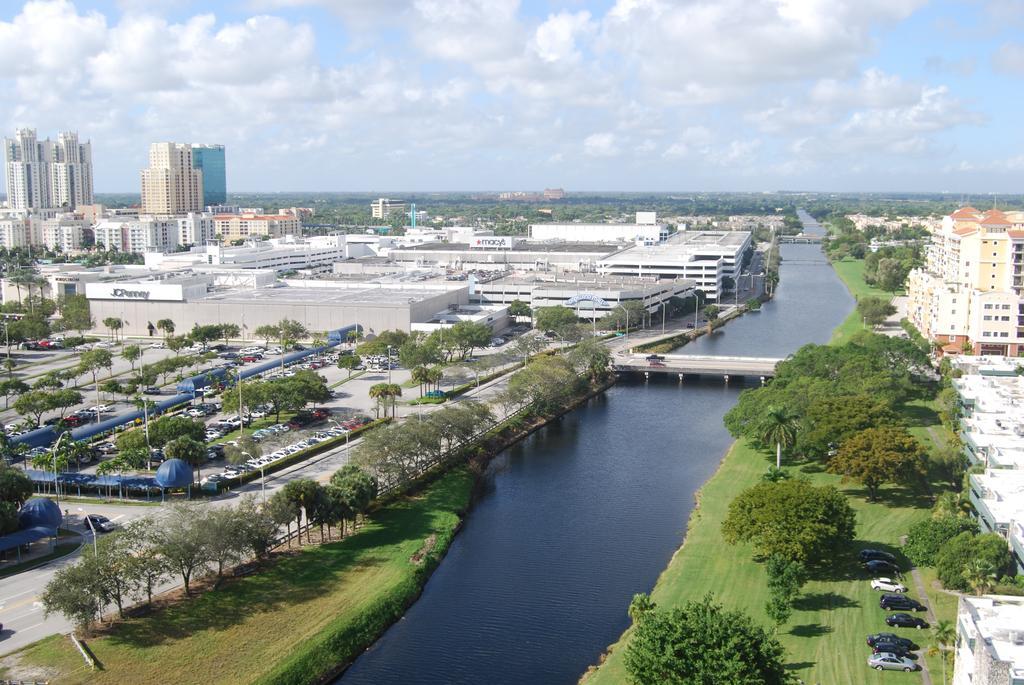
x: 875, y: 456
x: 701, y: 643
x: 792, y: 519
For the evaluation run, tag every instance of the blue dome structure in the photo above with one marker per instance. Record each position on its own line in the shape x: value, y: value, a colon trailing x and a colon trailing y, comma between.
x: 174, y: 473
x: 40, y: 511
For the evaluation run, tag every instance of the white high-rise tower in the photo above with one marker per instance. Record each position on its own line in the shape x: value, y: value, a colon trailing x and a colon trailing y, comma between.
x: 44, y: 174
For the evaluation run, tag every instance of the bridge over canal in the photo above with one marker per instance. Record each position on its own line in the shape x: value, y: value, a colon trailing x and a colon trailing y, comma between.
x: 683, y: 364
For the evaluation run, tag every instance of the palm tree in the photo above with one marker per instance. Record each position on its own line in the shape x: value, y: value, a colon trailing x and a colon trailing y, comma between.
x: 383, y: 392
x: 421, y: 375
x: 779, y: 426
x: 167, y: 326
x: 980, y: 575
x: 943, y: 635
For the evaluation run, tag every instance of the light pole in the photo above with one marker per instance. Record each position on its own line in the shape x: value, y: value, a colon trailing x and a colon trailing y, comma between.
x: 389, y: 364
x: 95, y: 548
x: 53, y: 451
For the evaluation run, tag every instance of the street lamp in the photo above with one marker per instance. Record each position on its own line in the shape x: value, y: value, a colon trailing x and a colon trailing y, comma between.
x: 95, y: 548
x: 389, y: 364
x: 53, y: 452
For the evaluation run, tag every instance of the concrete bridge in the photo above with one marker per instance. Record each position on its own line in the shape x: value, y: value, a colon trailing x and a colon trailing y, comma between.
x: 802, y: 238
x: 682, y: 364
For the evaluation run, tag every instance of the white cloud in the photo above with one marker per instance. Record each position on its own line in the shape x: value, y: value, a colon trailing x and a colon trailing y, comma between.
x: 601, y: 145
x: 1009, y: 59
x: 556, y: 39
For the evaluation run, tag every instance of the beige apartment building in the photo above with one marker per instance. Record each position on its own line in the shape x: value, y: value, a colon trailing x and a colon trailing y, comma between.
x: 971, y: 289
x: 171, y: 185
x: 231, y: 227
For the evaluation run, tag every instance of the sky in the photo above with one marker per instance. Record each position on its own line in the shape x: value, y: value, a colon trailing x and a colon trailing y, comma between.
x: 449, y: 95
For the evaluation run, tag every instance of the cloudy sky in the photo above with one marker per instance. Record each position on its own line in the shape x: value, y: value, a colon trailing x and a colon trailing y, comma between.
x: 365, y: 95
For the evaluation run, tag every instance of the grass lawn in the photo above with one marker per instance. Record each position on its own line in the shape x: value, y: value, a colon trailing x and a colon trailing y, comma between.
x: 244, y: 631
x: 851, y: 271
x: 824, y: 639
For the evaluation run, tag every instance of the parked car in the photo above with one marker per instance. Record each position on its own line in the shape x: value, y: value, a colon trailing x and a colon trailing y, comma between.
x: 101, y: 524
x: 887, y: 585
x: 106, y: 448
x: 878, y: 567
x: 896, y: 648
x: 900, y: 603
x: 905, y: 621
x: 866, y: 555
x: 887, y: 661
x: 906, y: 642
x: 151, y: 390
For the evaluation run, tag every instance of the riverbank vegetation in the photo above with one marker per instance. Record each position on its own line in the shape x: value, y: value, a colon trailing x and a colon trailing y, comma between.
x: 298, y: 618
x: 835, y: 393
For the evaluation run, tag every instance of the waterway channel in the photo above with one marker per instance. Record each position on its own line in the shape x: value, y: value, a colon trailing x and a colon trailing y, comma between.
x: 587, y: 512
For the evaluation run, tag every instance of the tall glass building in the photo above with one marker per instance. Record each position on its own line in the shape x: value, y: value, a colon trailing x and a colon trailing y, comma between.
x: 210, y: 159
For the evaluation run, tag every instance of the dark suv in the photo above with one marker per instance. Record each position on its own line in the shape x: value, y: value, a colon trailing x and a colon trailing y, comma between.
x: 879, y: 567
x: 900, y: 603
x: 896, y: 648
x: 876, y: 555
x: 905, y: 621
x: 891, y: 638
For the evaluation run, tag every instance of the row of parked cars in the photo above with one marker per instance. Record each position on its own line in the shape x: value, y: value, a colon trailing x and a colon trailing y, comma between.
x: 889, y: 650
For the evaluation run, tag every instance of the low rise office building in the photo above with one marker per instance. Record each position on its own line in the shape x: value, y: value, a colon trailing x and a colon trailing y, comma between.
x: 645, y: 230
x: 233, y: 227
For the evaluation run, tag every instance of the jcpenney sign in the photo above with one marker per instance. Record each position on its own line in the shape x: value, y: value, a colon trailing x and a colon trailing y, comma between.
x: 156, y: 292
x: 130, y: 294
x: 505, y: 242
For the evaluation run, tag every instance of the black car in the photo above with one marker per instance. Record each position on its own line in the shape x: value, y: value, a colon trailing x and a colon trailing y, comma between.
x: 905, y: 621
x: 891, y: 638
x: 891, y: 648
x: 878, y: 567
x: 101, y: 524
x: 900, y: 603
x: 876, y: 555
x: 655, y: 358
x: 151, y: 390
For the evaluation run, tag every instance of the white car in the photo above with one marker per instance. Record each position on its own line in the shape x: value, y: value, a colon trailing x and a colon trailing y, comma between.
x: 887, y: 585
x: 158, y: 346
x: 102, y: 408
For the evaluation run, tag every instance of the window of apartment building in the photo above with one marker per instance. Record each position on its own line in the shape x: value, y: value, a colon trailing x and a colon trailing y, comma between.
x: 988, y: 306
x: 987, y: 317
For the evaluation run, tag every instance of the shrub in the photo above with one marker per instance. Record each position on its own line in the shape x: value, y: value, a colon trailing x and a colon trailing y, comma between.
x: 927, y: 537
x: 955, y: 562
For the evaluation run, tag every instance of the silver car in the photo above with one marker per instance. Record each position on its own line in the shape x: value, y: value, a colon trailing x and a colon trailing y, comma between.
x: 887, y: 661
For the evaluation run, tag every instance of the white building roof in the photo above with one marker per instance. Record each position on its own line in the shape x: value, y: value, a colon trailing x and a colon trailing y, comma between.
x: 999, y: 622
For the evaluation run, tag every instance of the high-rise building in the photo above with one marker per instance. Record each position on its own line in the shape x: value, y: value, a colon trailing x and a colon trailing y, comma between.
x: 970, y: 293
x: 171, y: 185
x: 382, y: 208
x: 43, y: 174
x: 210, y: 160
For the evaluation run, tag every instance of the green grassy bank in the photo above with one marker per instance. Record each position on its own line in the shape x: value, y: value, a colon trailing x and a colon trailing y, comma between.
x: 824, y: 639
x: 292, y: 623
x: 851, y: 271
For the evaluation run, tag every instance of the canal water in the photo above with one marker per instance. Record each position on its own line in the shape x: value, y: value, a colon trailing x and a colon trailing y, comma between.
x: 587, y: 512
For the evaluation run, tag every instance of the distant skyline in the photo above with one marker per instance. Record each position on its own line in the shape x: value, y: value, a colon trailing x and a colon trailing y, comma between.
x: 463, y: 95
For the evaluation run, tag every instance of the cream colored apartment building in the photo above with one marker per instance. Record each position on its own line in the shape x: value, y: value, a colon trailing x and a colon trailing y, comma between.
x: 231, y: 227
x: 171, y: 185
x: 971, y: 289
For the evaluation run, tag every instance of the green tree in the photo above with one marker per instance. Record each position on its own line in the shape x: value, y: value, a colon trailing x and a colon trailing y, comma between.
x: 876, y: 456
x: 792, y: 519
x: 167, y: 326
x: 591, y: 358
x: 114, y: 324
x: 943, y: 636
x: 268, y: 333
x: 15, y: 486
x: 711, y: 313
x: 176, y: 343
x: 189, y: 450
x: 357, y: 487
x: 785, y: 579
x: 283, y: 510
x: 92, y: 362
x: 969, y: 557
x: 75, y: 314
x: 927, y: 537
x: 12, y: 388
x: 131, y: 354
x: 349, y: 362
x: 780, y: 428
x: 258, y: 528
x: 519, y: 308
x: 304, y: 493
x: 559, y: 320
x: 874, y: 310
x: 829, y: 421
x: 229, y: 330
x: 75, y: 591
x: 33, y: 404
x: 701, y: 643
x: 386, y: 393
x: 179, y: 539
